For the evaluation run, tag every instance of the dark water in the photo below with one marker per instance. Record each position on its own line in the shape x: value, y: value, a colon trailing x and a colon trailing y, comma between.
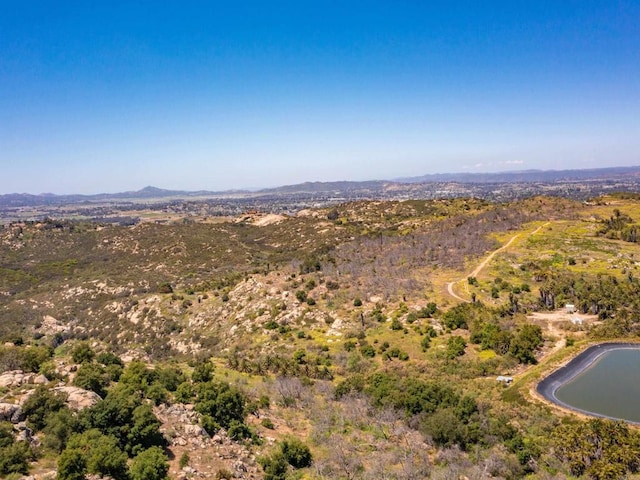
x: 609, y: 387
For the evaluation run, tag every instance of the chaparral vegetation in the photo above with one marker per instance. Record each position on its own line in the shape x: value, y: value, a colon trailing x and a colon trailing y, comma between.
x: 359, y: 341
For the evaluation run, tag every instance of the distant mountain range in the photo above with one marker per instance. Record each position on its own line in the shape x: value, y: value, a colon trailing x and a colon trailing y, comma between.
x: 528, y: 176
x: 153, y: 193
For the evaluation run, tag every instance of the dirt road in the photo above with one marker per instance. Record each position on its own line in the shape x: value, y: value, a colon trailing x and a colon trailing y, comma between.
x: 484, y: 263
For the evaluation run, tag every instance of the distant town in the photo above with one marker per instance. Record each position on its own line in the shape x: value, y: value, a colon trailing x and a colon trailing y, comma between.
x: 160, y: 205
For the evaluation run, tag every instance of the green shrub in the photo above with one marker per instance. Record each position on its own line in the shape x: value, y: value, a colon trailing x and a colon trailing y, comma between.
x: 274, y: 466
x: 240, y: 431
x: 368, y: 351
x: 82, y: 353
x: 71, y: 465
x: 150, y: 464
x: 92, y: 376
x: 14, y: 458
x: 455, y: 347
x: 296, y: 453
x: 396, y: 324
x: 203, y: 372
x: 40, y: 404
x: 184, y: 393
x: 101, y: 453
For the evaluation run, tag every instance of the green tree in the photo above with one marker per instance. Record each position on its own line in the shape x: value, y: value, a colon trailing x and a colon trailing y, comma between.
x: 525, y: 343
x: 71, y: 465
x: 34, y: 357
x: 150, y: 464
x: 82, y: 353
x: 6, y: 434
x: 109, y: 358
x: 138, y: 376
x: 203, y: 372
x: 14, y: 458
x: 274, y: 466
x: 92, y: 376
x: 455, y: 347
x: 102, y: 454
x: 59, y: 427
x: 41, y: 403
x: 296, y: 453
x: 144, y: 430
x: 222, y: 402
x: 601, y: 449
x: 425, y: 343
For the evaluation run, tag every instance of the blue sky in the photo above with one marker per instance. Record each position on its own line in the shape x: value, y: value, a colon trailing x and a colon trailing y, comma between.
x: 113, y: 96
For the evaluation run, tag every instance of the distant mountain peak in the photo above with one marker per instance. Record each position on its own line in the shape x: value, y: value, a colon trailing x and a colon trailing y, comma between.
x: 152, y: 189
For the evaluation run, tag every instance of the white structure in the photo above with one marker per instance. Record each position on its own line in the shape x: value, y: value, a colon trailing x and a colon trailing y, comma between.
x: 504, y: 379
x: 576, y: 320
x: 570, y: 308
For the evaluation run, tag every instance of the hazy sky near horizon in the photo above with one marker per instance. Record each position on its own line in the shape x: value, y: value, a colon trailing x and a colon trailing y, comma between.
x: 113, y: 96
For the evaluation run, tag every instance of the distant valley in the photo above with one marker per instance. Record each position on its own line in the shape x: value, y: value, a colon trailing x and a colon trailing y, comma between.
x: 151, y: 202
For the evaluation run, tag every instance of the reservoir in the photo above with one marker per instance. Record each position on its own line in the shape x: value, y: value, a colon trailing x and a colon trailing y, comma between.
x: 604, y: 381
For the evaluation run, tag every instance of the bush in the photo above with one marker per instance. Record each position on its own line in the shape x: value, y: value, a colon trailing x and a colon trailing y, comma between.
x: 40, y: 404
x: 274, y: 466
x: 264, y: 401
x: 357, y: 302
x: 455, y: 347
x: 82, y: 353
x: 222, y: 402
x: 151, y: 464
x: 203, y: 372
x: 71, y: 465
x: 184, y: 393
x: 108, y: 358
x: 101, y: 453
x: 92, y: 376
x: 240, y: 431
x: 60, y: 425
x: 209, y: 424
x: 368, y: 351
x: 296, y: 453
x: 14, y: 458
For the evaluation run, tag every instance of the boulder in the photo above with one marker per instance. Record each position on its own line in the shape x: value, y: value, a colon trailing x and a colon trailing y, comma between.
x: 10, y: 412
x: 16, y: 378
x: 12, y: 378
x: 79, y: 398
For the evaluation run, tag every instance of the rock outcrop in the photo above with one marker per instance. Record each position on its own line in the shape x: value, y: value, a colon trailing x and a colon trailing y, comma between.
x: 10, y: 412
x: 79, y: 398
x: 16, y: 378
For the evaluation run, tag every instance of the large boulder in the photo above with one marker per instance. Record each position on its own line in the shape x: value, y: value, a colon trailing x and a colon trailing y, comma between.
x: 10, y: 412
x: 79, y: 398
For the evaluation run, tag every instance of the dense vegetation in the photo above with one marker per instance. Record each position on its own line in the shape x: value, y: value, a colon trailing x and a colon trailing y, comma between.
x: 316, y: 341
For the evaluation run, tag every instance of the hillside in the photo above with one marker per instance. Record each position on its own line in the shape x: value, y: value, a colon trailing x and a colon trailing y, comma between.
x: 368, y: 326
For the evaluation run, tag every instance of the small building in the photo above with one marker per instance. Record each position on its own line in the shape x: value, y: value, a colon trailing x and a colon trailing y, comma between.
x: 504, y: 379
x: 570, y: 308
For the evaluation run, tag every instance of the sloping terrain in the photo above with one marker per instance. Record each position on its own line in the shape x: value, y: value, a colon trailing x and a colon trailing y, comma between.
x: 333, y: 327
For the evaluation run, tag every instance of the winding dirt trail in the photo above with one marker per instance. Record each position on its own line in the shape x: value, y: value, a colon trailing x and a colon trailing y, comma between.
x: 484, y: 263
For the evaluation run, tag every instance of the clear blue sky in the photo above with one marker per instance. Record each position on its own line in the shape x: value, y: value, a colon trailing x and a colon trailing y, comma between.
x: 113, y: 96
